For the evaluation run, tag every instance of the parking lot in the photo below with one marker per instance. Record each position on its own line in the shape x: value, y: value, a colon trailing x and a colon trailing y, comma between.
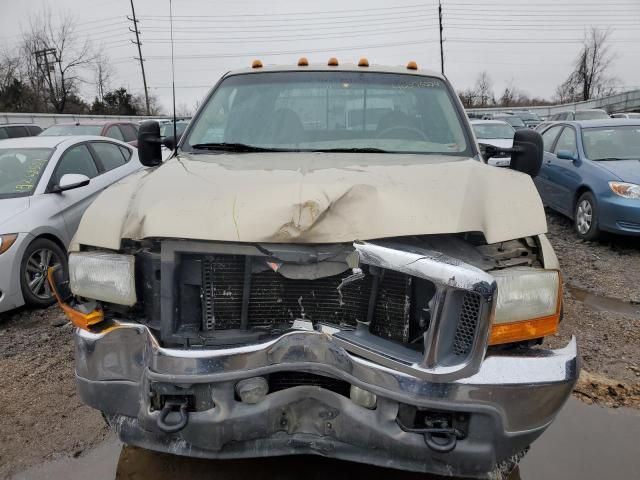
x: 43, y: 421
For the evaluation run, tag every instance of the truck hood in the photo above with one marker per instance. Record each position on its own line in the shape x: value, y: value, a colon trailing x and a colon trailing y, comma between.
x: 313, y: 198
x: 625, y: 170
x: 9, y: 208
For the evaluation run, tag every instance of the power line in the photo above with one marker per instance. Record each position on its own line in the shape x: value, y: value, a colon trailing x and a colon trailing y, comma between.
x: 291, y: 52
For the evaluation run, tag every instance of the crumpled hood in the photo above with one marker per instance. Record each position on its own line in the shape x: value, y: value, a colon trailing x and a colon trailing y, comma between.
x: 625, y: 170
x: 313, y: 198
x: 9, y: 208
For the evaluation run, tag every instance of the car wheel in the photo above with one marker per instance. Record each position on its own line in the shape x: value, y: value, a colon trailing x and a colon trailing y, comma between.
x: 586, y: 217
x: 39, y: 256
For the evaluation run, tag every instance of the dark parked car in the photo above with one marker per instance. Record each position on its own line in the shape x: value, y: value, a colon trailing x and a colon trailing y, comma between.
x: 591, y: 173
x: 594, y: 114
x: 530, y: 119
x: 17, y: 130
x: 123, y: 131
x: 513, y: 120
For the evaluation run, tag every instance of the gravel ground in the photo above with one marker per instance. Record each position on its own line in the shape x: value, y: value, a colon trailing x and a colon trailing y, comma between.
x: 42, y: 418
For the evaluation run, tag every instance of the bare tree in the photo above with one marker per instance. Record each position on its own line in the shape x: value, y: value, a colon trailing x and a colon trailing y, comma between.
x: 484, y: 89
x: 102, y: 74
x: 59, y: 58
x: 589, y: 78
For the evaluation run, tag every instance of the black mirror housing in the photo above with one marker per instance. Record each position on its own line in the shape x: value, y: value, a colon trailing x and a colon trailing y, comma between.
x: 169, y: 142
x: 527, y: 151
x: 149, y: 143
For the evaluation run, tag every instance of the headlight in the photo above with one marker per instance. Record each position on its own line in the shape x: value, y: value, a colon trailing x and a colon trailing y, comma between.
x: 108, y: 277
x: 528, y: 304
x: 6, y: 241
x: 627, y: 190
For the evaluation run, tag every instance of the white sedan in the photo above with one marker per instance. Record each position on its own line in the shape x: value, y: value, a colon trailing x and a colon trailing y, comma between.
x: 495, y: 132
x: 46, y: 184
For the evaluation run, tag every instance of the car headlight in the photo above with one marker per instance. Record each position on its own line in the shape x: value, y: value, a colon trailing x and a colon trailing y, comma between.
x: 627, y: 190
x: 6, y: 241
x: 108, y: 277
x: 527, y: 306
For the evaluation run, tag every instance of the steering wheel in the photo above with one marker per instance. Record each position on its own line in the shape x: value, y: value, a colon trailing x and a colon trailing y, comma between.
x: 420, y: 133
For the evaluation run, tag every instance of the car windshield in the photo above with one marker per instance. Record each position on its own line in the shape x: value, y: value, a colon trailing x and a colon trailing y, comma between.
x: 65, y: 130
x: 591, y: 115
x: 493, y: 130
x: 512, y: 120
x: 612, y: 143
x: 329, y: 111
x: 20, y: 170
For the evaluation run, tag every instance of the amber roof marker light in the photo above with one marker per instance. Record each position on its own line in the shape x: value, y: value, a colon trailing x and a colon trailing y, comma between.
x: 412, y: 65
x: 333, y: 62
x: 256, y: 64
x: 303, y: 62
x: 363, y: 62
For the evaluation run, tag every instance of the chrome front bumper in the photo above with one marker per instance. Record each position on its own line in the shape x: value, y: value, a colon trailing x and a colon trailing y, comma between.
x: 510, y: 400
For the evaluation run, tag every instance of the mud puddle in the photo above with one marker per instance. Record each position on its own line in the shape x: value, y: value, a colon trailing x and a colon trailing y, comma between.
x: 604, y: 304
x: 585, y: 442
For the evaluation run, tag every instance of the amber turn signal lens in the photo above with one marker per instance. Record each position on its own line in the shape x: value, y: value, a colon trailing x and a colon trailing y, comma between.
x: 256, y: 64
x: 6, y: 241
x: 412, y: 65
x: 303, y: 62
x: 78, y: 318
x: 333, y: 62
x: 524, y: 330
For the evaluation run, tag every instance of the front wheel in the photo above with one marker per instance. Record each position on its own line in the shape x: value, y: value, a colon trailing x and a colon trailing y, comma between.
x: 585, y: 219
x: 40, y: 255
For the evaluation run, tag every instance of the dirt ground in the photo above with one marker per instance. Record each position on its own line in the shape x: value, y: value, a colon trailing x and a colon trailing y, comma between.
x: 42, y: 418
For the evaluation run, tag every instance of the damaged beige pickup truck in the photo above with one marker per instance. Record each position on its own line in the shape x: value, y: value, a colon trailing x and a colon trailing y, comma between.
x: 326, y: 265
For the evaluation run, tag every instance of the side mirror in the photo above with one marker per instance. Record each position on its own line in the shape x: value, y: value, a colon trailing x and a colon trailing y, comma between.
x: 69, y: 181
x: 149, y: 143
x: 566, y: 155
x: 526, y: 153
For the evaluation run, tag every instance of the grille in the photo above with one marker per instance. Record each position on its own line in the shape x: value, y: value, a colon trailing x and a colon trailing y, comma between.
x: 283, y: 380
x: 222, y: 286
x: 391, y: 315
x: 467, y: 323
x: 276, y: 299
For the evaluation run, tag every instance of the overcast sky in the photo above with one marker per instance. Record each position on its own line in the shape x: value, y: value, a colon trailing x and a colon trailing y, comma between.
x: 529, y: 43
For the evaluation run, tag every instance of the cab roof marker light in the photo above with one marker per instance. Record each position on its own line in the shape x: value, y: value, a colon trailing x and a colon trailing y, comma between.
x: 412, y: 65
x: 303, y: 62
x: 256, y: 64
x: 333, y: 62
x: 363, y: 62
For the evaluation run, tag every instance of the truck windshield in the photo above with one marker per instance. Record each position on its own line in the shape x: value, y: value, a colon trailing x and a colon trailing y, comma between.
x: 20, y: 170
x: 328, y: 111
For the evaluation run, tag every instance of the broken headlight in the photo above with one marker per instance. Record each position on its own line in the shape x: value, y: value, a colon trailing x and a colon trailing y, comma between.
x: 108, y: 277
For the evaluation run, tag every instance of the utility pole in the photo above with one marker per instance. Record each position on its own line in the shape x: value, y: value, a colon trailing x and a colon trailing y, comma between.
x: 137, y: 42
x: 441, y: 49
x: 44, y: 64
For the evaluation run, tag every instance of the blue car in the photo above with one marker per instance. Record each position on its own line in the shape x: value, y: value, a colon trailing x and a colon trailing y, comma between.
x: 591, y: 173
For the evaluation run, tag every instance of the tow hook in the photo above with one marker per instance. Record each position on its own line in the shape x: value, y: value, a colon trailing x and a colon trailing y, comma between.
x: 441, y: 440
x: 178, y: 406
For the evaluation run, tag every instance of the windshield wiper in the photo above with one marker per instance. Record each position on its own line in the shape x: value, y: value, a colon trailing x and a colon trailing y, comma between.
x: 238, y: 147
x: 351, y: 150
x: 612, y: 159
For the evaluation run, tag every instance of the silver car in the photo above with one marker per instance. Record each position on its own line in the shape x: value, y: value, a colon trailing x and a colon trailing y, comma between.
x: 46, y: 184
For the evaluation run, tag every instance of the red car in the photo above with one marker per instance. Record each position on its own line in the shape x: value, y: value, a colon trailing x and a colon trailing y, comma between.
x: 123, y: 131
